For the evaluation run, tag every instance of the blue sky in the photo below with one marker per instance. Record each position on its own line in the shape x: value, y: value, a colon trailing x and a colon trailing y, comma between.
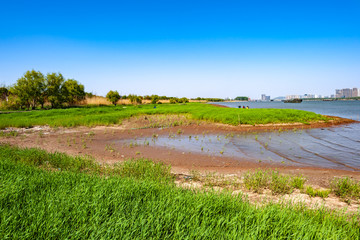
x: 186, y: 48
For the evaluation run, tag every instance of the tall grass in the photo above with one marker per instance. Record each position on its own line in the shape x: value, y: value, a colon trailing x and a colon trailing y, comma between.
x: 107, y: 115
x: 45, y: 204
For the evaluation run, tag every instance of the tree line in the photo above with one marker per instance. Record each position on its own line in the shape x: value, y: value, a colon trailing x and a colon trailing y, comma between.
x: 34, y: 89
x: 114, y: 97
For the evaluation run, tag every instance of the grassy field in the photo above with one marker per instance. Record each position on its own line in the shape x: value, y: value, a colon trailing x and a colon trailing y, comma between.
x: 55, y: 196
x: 107, y: 115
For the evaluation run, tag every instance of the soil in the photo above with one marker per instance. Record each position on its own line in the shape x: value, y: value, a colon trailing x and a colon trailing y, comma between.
x: 98, y: 142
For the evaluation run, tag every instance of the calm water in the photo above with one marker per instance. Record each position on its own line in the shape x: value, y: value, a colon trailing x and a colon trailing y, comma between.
x: 333, y: 147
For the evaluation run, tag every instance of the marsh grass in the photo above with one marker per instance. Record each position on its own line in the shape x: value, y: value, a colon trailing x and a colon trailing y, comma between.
x: 317, y: 192
x: 346, y: 188
x: 272, y: 180
x: 108, y: 115
x: 131, y: 202
x: 9, y: 134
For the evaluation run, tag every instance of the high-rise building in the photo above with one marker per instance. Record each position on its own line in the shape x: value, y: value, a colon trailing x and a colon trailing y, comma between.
x: 347, y: 93
x: 264, y: 97
x: 355, y: 92
x: 339, y: 93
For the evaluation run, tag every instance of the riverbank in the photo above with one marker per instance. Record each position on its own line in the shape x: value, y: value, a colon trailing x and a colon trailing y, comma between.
x: 101, y: 142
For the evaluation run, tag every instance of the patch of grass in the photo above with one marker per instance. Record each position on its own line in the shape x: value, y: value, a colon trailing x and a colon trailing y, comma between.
x: 9, y: 134
x: 298, y: 182
x: 108, y: 115
x: 132, y: 203
x: 280, y: 184
x: 41, y: 158
x: 256, y: 181
x: 317, y: 192
x: 272, y: 180
x: 346, y: 188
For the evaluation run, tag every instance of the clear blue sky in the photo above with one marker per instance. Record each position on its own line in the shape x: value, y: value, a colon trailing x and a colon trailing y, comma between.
x: 186, y: 48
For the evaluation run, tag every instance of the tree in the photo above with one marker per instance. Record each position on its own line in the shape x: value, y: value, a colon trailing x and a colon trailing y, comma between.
x: 135, y: 99
x: 4, y: 93
x: 242, y: 98
x: 30, y: 89
x: 154, y: 99
x: 113, y: 96
x: 73, y: 92
x: 54, y: 92
x: 183, y: 100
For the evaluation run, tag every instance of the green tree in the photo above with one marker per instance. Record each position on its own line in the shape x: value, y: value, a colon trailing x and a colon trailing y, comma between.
x: 134, y: 99
x: 242, y: 98
x: 154, y: 99
x: 54, y: 91
x: 174, y: 100
x: 183, y: 100
x: 4, y: 93
x: 113, y: 97
x: 73, y: 92
x: 30, y: 89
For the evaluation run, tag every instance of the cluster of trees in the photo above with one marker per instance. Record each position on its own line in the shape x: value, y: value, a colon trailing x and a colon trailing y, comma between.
x: 210, y: 99
x: 242, y: 99
x: 34, y: 89
x: 114, y: 97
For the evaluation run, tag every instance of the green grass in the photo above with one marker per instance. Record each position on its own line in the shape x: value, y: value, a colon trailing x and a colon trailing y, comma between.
x: 36, y: 203
x: 317, y: 192
x: 273, y: 180
x: 346, y: 188
x: 107, y: 115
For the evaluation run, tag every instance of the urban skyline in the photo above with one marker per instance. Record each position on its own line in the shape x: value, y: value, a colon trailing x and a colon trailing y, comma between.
x: 339, y: 93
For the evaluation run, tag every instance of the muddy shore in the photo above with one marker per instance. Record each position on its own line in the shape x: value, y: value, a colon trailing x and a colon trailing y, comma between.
x: 99, y: 143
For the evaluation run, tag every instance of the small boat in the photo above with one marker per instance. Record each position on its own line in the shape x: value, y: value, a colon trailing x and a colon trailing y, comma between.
x: 295, y: 100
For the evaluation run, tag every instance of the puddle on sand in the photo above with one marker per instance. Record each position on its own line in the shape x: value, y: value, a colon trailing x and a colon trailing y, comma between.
x: 336, y: 148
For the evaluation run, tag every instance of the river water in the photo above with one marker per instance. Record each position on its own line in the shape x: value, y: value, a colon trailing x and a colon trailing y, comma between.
x: 332, y: 147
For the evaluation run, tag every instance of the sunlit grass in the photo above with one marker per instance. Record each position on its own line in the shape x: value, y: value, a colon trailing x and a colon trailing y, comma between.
x: 108, y: 115
x: 138, y: 200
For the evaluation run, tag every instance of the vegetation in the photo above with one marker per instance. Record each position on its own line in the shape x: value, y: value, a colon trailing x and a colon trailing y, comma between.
x: 113, y: 97
x: 346, y: 188
x: 106, y: 115
x: 241, y: 98
x: 75, y: 201
x: 278, y: 184
x: 34, y: 89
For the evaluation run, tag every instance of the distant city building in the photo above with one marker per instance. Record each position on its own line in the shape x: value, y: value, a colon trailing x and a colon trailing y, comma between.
x: 264, y: 97
x: 355, y: 92
x: 308, y: 96
x: 347, y: 93
x: 289, y: 97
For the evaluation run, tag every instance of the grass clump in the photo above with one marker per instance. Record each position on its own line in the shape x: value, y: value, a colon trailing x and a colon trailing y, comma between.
x: 272, y: 180
x: 317, y: 192
x: 9, y: 134
x: 55, y: 161
x: 145, y: 169
x: 346, y: 188
x: 40, y: 204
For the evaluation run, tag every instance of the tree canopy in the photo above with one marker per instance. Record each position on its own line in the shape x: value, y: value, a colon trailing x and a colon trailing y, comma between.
x: 34, y: 88
x: 113, y: 96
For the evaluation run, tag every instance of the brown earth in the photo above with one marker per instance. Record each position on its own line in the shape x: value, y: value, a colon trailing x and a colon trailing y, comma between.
x: 99, y: 142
